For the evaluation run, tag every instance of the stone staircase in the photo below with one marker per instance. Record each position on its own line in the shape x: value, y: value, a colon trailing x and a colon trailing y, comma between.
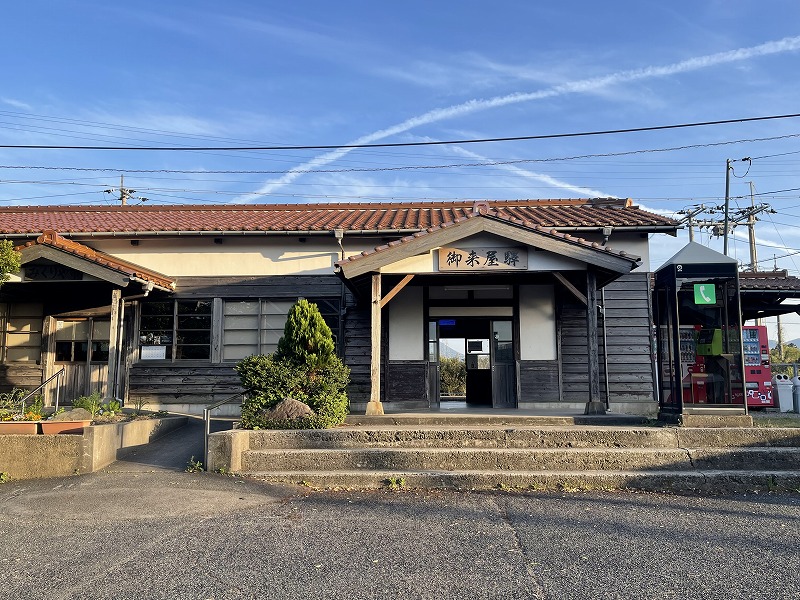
x: 523, y: 453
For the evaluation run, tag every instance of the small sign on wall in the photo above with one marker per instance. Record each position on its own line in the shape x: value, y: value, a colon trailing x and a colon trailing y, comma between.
x: 483, y: 259
x: 153, y: 353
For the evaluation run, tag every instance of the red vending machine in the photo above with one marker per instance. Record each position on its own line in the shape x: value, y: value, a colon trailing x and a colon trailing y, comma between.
x: 758, y: 374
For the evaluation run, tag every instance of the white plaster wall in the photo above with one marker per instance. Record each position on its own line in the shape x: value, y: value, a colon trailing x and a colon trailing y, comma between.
x: 537, y: 322
x: 634, y: 243
x: 200, y: 256
x: 286, y: 255
x: 406, y: 325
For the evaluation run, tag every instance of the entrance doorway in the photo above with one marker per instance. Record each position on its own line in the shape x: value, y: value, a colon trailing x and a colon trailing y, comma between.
x: 471, y: 363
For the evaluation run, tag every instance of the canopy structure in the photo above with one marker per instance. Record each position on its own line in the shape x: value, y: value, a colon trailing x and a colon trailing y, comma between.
x: 768, y: 294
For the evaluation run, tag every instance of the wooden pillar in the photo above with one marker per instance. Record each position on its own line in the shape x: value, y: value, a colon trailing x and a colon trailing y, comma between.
x: 48, y: 358
x: 374, y: 406
x: 595, y: 405
x: 113, y: 344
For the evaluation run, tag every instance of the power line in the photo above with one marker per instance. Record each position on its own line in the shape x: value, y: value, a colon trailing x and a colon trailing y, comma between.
x: 407, y: 144
x: 398, y: 168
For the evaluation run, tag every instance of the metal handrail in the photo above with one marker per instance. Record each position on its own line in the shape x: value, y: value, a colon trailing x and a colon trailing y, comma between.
x: 56, y: 375
x: 207, y: 421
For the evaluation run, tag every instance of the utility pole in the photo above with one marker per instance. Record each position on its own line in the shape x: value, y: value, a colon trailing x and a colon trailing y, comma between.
x: 125, y: 194
x: 691, y: 213
x: 778, y: 317
x: 728, y: 169
x: 727, y: 205
x: 751, y: 231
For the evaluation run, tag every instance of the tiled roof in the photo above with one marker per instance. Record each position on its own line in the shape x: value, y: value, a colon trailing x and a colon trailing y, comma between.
x: 484, y: 212
x: 53, y: 240
x: 404, y: 217
x: 769, y: 281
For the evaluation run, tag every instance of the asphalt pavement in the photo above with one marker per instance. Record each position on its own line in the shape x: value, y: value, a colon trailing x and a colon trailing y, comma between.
x: 142, y: 531
x: 145, y: 528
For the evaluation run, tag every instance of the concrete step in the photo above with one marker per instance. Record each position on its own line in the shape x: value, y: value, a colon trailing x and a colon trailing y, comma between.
x: 491, y: 418
x: 524, y: 437
x: 678, y: 481
x: 529, y: 459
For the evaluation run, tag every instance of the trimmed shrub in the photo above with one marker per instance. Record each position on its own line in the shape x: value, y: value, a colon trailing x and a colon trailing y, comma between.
x: 307, y: 339
x: 304, y: 368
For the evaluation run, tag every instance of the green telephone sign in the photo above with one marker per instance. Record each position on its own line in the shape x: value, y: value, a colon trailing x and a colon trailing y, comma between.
x: 705, y: 293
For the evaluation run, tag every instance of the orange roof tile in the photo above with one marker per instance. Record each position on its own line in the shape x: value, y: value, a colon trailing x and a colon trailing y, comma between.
x: 405, y: 217
x: 485, y: 212
x: 52, y: 239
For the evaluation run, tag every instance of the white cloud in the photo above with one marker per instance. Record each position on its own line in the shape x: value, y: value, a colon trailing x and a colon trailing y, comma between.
x: 16, y: 103
x: 581, y: 86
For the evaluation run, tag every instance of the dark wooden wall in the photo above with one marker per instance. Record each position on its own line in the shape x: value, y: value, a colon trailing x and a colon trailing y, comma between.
x: 20, y: 375
x: 406, y: 381
x: 539, y: 380
x: 204, y: 383
x: 357, y: 348
x: 273, y: 286
x: 181, y: 383
x: 628, y: 319
x: 628, y: 325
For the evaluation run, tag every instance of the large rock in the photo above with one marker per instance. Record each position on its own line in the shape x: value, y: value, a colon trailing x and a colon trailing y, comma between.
x: 287, y: 410
x: 76, y: 414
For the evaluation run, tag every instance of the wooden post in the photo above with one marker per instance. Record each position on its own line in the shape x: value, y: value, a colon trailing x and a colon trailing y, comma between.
x: 374, y: 406
x: 48, y: 357
x: 113, y: 342
x: 595, y: 406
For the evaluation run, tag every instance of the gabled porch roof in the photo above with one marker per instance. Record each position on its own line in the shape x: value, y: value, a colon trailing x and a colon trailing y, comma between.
x: 52, y: 247
x: 612, y: 263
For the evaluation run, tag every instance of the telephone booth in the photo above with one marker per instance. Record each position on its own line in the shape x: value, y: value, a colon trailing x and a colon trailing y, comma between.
x: 699, y: 334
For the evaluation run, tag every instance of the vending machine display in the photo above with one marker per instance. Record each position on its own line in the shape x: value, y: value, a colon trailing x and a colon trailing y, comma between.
x: 699, y: 347
x: 758, y: 373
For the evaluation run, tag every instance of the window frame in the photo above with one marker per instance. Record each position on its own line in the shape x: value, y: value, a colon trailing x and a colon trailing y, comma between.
x: 6, y: 316
x: 172, y: 354
x: 332, y: 302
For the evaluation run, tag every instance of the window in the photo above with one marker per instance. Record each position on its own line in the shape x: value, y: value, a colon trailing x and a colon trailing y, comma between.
x: 21, y: 332
x: 193, y: 331
x: 179, y: 330
x: 82, y: 340
x: 255, y: 326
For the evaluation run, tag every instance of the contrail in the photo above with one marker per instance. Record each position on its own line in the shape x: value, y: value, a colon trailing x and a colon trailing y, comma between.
x: 573, y: 87
x: 588, y: 192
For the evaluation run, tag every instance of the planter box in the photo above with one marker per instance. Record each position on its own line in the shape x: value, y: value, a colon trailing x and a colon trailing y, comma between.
x: 19, y: 427
x: 54, y: 427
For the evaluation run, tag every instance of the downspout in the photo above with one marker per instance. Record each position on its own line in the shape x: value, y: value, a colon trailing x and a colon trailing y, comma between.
x: 605, y: 346
x: 606, y: 235
x: 339, y: 234
x: 120, y: 346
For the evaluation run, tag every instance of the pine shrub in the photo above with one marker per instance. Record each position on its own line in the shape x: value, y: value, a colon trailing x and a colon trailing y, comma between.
x: 304, y: 367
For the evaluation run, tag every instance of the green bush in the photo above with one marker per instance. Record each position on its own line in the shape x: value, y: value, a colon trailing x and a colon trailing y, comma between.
x: 93, y: 403
x: 304, y: 368
x: 9, y: 260
x: 453, y: 376
x: 307, y: 339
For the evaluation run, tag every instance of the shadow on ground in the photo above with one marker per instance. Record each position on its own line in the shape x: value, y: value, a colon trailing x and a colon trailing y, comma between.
x: 171, y: 452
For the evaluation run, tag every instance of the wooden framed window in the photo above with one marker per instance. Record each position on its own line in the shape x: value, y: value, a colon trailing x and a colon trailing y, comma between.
x: 175, y: 330
x: 84, y: 340
x: 21, y: 332
x: 255, y: 326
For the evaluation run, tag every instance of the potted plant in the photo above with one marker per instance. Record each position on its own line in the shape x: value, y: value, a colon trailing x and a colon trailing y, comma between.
x: 84, y: 410
x: 15, y: 417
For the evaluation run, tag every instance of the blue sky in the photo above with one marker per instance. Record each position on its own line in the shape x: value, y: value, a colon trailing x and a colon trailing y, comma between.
x: 311, y: 73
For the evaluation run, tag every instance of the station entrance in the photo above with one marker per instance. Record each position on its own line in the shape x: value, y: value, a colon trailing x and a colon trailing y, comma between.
x: 471, y: 361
